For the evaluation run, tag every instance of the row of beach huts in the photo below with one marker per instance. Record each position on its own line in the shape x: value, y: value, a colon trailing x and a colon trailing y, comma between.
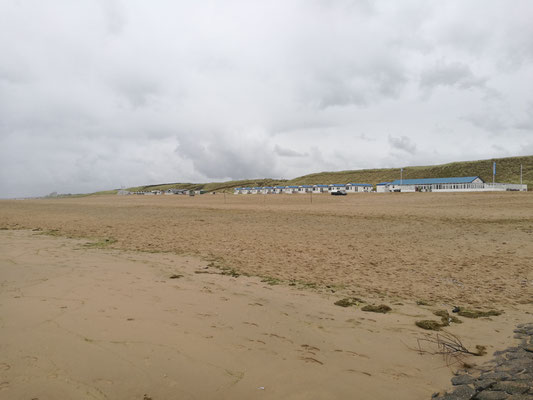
x: 454, y: 184
x: 349, y: 188
x: 183, y: 192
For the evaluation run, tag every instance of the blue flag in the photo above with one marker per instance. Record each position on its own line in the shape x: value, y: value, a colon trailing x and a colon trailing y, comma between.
x: 494, y: 168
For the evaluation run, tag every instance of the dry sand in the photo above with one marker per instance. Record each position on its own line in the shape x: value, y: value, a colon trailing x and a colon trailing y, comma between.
x: 477, y: 247
x: 104, y: 321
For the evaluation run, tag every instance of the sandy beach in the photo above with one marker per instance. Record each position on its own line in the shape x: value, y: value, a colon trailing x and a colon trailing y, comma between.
x: 210, y: 298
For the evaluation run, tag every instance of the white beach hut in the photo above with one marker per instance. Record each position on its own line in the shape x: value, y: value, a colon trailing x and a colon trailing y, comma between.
x: 303, y: 189
x: 337, y: 188
x: 320, y: 188
x: 358, y: 187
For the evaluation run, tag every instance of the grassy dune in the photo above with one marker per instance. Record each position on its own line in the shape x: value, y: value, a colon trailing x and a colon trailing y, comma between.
x: 212, y: 186
x: 508, y: 170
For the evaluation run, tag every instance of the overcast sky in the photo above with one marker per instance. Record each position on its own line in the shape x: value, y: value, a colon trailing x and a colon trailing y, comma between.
x: 99, y: 94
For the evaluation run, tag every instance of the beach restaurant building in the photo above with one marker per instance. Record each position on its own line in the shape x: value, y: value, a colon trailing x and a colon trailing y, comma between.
x: 455, y: 184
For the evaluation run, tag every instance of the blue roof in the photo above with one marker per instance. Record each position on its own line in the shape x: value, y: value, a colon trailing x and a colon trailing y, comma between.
x: 337, y: 185
x: 267, y: 187
x: 359, y: 184
x: 293, y: 187
x: 280, y: 187
x: 430, y: 181
x: 321, y: 185
x: 383, y: 183
x: 306, y: 186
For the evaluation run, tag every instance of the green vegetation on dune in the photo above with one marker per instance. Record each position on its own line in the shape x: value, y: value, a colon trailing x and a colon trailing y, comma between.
x: 507, y: 170
x: 104, y: 192
x: 212, y: 186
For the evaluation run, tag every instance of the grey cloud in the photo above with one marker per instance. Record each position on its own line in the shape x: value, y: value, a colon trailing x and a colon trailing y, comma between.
x: 402, y: 143
x: 455, y: 74
x: 285, y: 152
x: 490, y: 122
x: 365, y: 137
x: 481, y: 30
x: 137, y: 92
x: 527, y: 148
x: 365, y: 6
x: 502, y: 122
x: 526, y: 122
x: 358, y: 87
x: 115, y: 15
x: 498, y: 149
x: 228, y: 159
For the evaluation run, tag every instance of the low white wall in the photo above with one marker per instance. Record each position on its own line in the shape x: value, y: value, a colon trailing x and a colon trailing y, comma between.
x: 470, y: 190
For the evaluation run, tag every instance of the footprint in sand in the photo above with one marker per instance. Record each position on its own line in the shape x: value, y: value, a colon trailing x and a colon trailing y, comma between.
x: 257, y: 341
x: 308, y: 348
x: 4, y: 366
x: 353, y: 353
x: 308, y: 351
x: 359, y: 372
x: 4, y: 385
x: 104, y: 381
x: 278, y: 337
x: 311, y: 360
x: 31, y: 359
x: 353, y: 321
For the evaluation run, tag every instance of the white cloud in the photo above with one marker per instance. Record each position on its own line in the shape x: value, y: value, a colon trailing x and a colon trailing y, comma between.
x: 99, y: 94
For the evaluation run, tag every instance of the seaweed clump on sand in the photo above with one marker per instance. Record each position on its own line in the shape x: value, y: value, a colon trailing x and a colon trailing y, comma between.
x: 269, y: 280
x: 429, y: 325
x: 348, y: 302
x: 227, y: 271
x: 445, y: 320
x: 382, y: 308
x: 468, y: 313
